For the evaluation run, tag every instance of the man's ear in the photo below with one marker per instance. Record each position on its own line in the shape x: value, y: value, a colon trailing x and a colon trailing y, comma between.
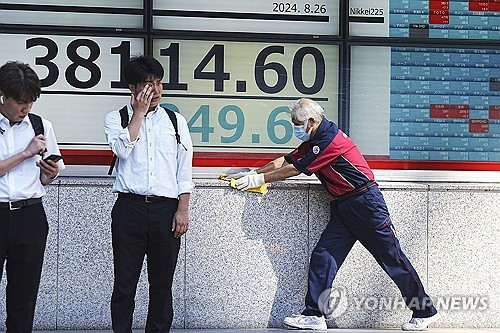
x: 131, y: 87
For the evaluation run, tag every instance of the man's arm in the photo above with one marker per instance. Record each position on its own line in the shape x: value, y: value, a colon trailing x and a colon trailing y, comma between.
x: 36, y: 145
x: 282, y: 173
x: 181, y: 216
x: 273, y: 165
x: 50, y: 170
x: 258, y: 179
x: 184, y: 172
x: 122, y: 140
x: 11, y: 162
x: 278, y: 169
x: 140, y: 104
x: 184, y: 178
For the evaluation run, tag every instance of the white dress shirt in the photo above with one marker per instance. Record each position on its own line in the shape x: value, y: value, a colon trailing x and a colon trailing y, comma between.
x: 153, y: 164
x: 23, y: 181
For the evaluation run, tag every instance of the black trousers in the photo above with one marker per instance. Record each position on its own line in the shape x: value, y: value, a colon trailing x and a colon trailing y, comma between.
x: 23, y: 236
x: 139, y: 229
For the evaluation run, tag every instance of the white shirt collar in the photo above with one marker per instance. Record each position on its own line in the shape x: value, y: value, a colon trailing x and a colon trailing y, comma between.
x: 6, y: 120
x: 26, y: 120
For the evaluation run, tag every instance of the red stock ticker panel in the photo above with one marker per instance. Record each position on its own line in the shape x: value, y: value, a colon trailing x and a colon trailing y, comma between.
x: 479, y: 126
x: 449, y: 111
x: 439, y: 12
x: 484, y: 5
x: 494, y: 112
x: 461, y: 111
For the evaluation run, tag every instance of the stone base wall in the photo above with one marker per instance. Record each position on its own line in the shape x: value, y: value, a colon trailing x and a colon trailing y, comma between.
x: 244, y: 261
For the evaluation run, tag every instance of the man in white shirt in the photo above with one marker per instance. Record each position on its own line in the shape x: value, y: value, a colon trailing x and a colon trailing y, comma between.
x: 153, y: 182
x: 23, y: 174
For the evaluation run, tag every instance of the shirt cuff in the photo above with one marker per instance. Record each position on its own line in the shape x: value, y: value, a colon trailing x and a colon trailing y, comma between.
x: 185, y: 187
x: 301, y: 168
x: 125, y: 137
x: 289, y: 159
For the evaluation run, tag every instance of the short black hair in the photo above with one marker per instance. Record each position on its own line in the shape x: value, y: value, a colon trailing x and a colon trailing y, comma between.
x: 140, y: 68
x: 20, y: 82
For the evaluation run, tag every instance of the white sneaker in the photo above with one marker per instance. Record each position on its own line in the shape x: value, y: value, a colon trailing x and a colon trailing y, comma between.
x: 302, y: 322
x: 420, y: 324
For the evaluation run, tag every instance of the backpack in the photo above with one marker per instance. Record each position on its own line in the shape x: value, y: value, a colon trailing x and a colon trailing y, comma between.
x: 124, y: 123
x: 36, y: 122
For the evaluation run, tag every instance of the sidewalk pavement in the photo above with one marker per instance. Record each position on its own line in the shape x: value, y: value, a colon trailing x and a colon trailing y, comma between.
x: 277, y: 330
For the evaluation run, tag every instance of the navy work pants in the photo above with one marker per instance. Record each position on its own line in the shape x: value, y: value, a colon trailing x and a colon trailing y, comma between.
x: 365, y: 218
x: 23, y: 236
x: 138, y: 229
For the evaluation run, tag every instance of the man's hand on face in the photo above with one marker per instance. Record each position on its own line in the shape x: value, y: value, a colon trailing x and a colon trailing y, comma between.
x: 141, y: 102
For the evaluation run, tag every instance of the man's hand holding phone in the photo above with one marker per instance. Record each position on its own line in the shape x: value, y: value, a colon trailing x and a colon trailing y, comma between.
x: 52, y: 157
x: 49, y: 167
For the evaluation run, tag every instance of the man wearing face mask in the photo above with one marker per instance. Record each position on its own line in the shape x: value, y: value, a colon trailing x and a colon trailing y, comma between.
x: 357, y: 212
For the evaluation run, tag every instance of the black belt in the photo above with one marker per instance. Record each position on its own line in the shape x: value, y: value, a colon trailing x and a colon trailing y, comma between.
x: 13, y: 205
x: 144, y: 198
x: 356, y: 192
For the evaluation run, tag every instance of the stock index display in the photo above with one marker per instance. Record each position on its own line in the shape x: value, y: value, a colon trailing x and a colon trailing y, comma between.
x: 445, y: 104
x: 471, y: 19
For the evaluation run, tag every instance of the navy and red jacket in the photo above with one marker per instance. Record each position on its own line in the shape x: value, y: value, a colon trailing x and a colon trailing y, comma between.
x: 333, y: 158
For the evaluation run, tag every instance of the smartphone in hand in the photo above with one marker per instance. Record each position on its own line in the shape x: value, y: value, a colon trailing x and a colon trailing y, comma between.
x: 52, y: 157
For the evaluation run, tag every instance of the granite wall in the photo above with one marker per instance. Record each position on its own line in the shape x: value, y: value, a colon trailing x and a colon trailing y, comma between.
x: 243, y: 263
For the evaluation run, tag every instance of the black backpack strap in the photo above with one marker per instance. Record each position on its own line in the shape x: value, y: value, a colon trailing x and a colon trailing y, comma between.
x: 124, y: 116
x: 173, y: 119
x: 124, y: 123
x: 36, y: 122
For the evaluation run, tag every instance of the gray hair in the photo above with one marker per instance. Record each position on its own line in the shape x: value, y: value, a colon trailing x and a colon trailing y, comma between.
x: 305, y: 108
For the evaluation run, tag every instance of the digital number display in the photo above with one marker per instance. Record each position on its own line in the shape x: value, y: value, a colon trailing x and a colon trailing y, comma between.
x: 445, y: 104
x: 292, y: 7
x: 81, y: 80
x: 320, y: 18
x: 457, y: 19
x: 426, y: 104
x: 470, y: 19
x: 235, y: 95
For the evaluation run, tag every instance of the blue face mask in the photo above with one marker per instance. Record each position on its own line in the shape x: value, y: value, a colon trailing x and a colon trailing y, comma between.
x: 300, y: 132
